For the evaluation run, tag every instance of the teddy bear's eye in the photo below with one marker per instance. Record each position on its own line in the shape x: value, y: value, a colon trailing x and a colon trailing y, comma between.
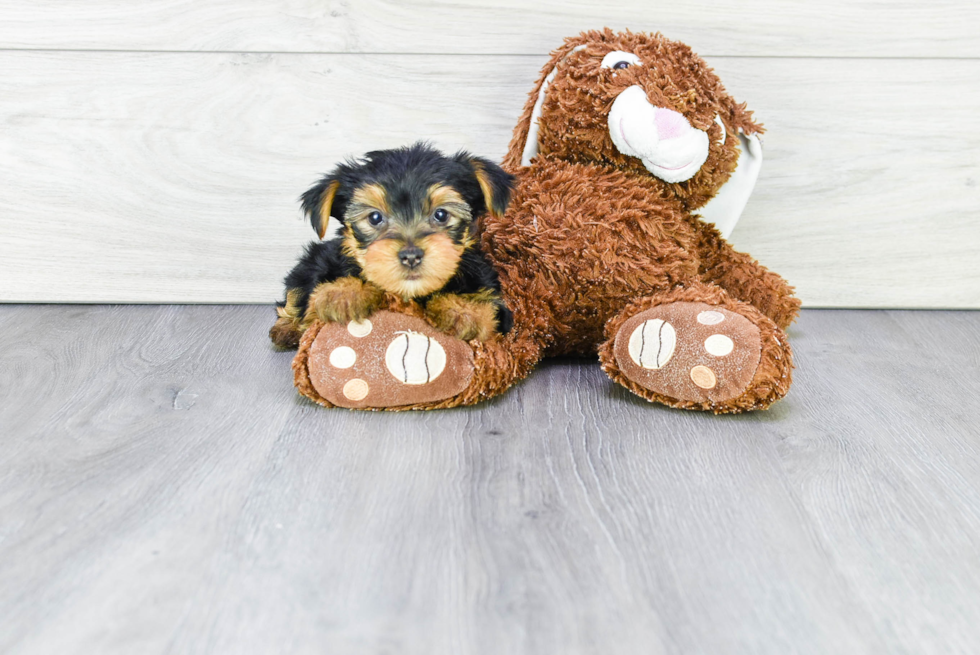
x: 375, y: 219
x: 618, y: 60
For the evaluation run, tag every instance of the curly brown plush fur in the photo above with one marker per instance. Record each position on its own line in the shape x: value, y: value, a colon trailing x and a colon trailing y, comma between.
x: 592, y: 238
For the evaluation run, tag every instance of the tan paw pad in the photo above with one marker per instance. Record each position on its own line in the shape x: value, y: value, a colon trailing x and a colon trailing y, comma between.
x: 689, y: 351
x: 704, y: 377
x: 391, y: 360
x: 652, y: 344
x: 343, y: 357
x: 413, y: 358
x: 360, y: 329
x: 710, y: 317
x: 356, y: 389
x: 719, y: 345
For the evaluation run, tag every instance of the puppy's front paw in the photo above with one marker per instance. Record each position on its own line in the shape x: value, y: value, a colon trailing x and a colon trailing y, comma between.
x: 463, y: 317
x: 343, y: 300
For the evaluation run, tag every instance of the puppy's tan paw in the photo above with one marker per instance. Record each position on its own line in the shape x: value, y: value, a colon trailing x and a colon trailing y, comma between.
x: 464, y: 317
x: 286, y: 333
x: 343, y: 300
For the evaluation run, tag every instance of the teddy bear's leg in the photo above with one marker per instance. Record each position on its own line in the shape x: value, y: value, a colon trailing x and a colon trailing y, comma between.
x: 397, y: 360
x: 695, y: 347
x: 744, y: 278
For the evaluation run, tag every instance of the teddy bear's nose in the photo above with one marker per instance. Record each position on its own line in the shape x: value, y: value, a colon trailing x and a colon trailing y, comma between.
x: 669, y: 123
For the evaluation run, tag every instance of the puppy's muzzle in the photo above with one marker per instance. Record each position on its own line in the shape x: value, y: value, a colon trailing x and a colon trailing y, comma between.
x: 410, y: 256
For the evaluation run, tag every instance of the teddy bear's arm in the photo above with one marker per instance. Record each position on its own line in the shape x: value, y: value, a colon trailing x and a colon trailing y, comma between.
x: 745, y: 278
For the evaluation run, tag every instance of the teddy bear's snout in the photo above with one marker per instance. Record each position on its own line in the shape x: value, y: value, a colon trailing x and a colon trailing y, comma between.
x: 669, y: 123
x: 664, y: 140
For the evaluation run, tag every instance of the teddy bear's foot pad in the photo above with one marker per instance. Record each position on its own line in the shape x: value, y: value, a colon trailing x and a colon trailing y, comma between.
x: 388, y: 360
x: 689, y: 351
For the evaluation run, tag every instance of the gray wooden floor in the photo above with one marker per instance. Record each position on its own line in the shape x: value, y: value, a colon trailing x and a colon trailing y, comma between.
x: 163, y: 489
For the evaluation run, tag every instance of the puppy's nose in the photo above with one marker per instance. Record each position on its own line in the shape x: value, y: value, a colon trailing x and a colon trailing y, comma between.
x: 410, y: 256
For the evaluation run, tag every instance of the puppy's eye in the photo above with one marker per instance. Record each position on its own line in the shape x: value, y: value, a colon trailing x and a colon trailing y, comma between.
x: 618, y: 60
x: 375, y: 219
x: 441, y: 215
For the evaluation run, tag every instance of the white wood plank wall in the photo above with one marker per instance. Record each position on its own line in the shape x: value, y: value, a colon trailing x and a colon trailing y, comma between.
x: 153, y: 151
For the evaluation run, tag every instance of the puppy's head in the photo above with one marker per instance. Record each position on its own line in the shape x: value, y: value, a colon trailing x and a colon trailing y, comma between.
x: 408, y: 214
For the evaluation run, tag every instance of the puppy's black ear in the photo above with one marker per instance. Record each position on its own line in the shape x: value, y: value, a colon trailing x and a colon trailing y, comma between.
x: 495, y: 183
x: 318, y: 202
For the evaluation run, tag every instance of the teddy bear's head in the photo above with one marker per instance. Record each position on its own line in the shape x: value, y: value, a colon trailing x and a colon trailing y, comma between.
x: 639, y: 102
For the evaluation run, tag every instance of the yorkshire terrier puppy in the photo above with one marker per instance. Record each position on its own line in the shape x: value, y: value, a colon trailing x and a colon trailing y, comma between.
x: 408, y: 219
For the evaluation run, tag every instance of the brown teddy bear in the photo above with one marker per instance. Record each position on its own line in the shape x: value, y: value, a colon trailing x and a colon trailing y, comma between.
x: 624, y: 140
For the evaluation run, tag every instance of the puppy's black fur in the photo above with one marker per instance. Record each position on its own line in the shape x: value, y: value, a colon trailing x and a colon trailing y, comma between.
x: 407, y: 173
x: 324, y: 261
x: 406, y: 176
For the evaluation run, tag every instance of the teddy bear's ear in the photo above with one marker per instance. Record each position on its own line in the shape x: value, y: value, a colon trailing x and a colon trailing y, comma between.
x: 741, y: 118
x: 319, y: 202
x: 726, y: 207
x: 524, y: 143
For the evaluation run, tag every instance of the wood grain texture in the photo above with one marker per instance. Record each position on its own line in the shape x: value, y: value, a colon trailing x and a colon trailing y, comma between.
x: 174, y: 177
x: 164, y: 490
x: 835, y: 28
x: 868, y: 195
